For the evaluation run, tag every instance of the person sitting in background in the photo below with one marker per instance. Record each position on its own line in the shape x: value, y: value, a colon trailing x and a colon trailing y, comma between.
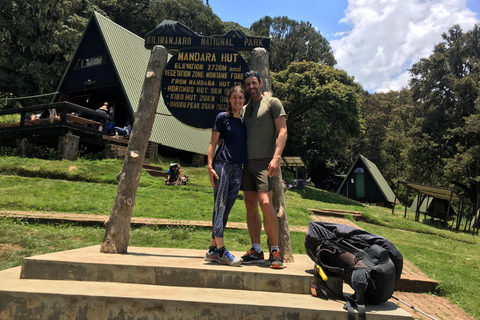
x: 49, y: 113
x: 46, y: 114
x: 123, y: 131
x: 301, y: 183
x: 287, y: 185
x: 103, y: 110
x: 32, y: 117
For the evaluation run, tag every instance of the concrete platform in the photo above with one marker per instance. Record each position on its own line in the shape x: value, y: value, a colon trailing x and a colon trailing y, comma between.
x: 157, y: 283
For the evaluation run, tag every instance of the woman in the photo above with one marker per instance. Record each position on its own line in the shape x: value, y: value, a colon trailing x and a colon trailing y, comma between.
x: 225, y: 170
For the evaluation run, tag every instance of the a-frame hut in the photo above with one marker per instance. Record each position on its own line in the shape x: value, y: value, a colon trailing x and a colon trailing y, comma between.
x: 365, y: 183
x: 423, y: 206
x: 109, y: 65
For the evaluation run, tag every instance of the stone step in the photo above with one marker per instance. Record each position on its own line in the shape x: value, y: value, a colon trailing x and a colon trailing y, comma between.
x: 155, y: 171
x: 46, y: 299
x: 167, y: 266
x: 157, y: 283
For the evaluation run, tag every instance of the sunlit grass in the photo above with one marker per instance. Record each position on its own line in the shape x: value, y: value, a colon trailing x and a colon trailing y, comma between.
x: 89, y: 187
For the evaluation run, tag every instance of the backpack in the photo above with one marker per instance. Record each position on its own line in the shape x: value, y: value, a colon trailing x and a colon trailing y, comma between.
x: 369, y: 263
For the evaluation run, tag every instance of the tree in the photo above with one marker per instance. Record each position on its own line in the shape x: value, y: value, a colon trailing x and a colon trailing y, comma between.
x: 387, y: 119
x: 322, y: 106
x: 463, y: 169
x: 445, y: 87
x: 134, y: 15
x: 293, y: 41
x: 228, y: 25
x: 192, y: 13
x: 142, y: 16
x: 37, y: 40
x: 118, y: 224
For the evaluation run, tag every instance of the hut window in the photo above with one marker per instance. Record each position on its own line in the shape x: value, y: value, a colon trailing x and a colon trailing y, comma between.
x: 89, y: 62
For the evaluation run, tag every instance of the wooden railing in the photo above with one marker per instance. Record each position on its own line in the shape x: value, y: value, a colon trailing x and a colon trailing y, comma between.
x: 58, y: 113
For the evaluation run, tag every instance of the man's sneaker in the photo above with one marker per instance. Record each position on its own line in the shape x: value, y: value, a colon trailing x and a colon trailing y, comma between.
x: 253, y: 256
x: 212, y: 256
x: 229, y: 259
x: 275, y: 260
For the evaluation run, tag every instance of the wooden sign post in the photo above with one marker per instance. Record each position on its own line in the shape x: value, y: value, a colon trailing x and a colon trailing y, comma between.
x: 117, y: 233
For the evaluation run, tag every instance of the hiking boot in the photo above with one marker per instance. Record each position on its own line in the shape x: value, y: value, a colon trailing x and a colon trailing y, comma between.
x: 229, y: 259
x: 212, y: 256
x: 253, y: 256
x: 275, y: 260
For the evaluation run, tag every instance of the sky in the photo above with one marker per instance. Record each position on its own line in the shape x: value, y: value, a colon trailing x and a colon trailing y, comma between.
x: 375, y: 41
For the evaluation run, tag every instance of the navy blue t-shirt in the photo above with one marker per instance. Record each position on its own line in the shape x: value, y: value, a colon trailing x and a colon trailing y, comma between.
x: 234, y: 135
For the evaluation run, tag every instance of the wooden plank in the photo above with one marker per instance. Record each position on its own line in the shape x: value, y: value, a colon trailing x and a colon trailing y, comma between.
x: 115, y: 151
x: 121, y: 150
x: 337, y: 213
x: 147, y: 166
x: 10, y: 124
x: 30, y: 122
x: 157, y: 173
x: 83, y: 121
x: 119, y: 140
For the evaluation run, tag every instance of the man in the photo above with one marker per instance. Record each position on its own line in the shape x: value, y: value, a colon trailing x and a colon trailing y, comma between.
x: 264, y: 118
x: 102, y: 110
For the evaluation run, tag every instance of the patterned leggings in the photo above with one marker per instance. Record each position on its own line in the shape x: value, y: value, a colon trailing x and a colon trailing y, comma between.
x: 225, y: 193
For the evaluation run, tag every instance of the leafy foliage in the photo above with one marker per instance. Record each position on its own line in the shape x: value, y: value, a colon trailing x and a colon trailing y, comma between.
x: 37, y: 39
x: 293, y: 41
x: 444, y: 140
x: 430, y: 133
x: 133, y: 15
x: 192, y: 13
x: 387, y: 119
x: 322, y: 106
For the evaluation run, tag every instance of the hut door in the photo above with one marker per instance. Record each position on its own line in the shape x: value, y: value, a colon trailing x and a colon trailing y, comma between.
x: 360, y: 183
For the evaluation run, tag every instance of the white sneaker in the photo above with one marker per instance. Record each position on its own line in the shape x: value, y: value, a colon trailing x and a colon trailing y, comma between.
x: 229, y: 259
x: 212, y: 256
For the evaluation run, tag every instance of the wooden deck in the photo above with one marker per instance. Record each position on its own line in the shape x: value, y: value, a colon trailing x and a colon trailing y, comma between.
x: 61, y: 121
x: 83, y: 121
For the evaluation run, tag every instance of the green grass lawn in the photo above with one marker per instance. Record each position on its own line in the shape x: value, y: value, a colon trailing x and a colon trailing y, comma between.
x: 89, y: 187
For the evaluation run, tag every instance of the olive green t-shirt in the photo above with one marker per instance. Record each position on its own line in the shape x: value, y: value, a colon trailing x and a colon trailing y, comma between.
x: 259, y: 119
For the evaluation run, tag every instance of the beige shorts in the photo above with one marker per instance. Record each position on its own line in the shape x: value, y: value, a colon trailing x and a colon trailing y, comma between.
x: 255, y: 176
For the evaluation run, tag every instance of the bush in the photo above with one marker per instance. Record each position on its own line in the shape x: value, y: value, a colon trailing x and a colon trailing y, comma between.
x: 7, y: 151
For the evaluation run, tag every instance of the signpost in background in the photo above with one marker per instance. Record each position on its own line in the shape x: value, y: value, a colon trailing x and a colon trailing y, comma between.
x: 195, y: 83
x: 198, y: 75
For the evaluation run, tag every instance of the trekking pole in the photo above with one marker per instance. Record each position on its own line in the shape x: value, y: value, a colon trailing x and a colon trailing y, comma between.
x: 409, y: 305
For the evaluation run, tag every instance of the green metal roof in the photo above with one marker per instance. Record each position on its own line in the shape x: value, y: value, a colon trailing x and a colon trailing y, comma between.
x: 379, y: 180
x: 377, y: 176
x: 130, y: 60
x: 423, y: 206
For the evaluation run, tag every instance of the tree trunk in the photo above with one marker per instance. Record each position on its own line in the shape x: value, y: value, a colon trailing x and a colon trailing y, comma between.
x: 284, y: 244
x: 259, y: 63
x: 117, y: 233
